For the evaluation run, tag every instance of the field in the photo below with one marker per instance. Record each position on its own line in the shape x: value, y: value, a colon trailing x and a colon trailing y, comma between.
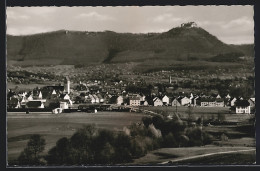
x: 196, y: 155
x: 53, y: 127
x: 205, y: 112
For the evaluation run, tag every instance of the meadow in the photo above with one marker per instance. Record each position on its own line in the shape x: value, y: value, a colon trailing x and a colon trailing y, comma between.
x: 21, y: 126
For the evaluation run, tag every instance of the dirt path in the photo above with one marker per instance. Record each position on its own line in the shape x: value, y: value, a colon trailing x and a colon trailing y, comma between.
x: 204, y: 155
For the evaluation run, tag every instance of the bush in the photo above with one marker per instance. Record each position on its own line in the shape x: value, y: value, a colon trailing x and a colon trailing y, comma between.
x: 169, y: 141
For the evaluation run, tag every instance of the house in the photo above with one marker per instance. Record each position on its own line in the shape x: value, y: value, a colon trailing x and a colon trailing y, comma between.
x: 185, y: 101
x: 157, y: 101
x: 204, y: 102
x: 165, y: 100
x: 219, y: 102
x: 242, y: 106
x: 218, y: 96
x: 194, y: 100
x: 65, y: 96
x: 101, y: 99
x: 175, y: 102
x: 232, y: 101
x: 40, y: 95
x: 34, y: 104
x: 134, y: 101
x: 227, y: 96
x: 144, y: 103
x: 53, y: 92
x: 212, y: 102
x: 64, y: 104
x: 91, y: 98
x: 142, y: 98
x: 96, y: 98
x: 252, y: 102
x: 117, y: 100
x: 30, y: 97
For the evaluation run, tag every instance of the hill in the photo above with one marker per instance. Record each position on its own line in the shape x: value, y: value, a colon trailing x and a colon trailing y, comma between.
x: 183, y: 43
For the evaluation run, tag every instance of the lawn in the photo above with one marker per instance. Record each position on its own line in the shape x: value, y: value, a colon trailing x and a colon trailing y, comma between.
x: 53, y: 127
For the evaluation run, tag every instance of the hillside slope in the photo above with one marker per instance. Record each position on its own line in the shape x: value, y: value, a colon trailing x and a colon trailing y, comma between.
x: 72, y: 47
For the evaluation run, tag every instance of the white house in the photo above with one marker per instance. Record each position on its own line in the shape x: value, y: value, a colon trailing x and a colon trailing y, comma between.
x: 242, y: 106
x: 232, y: 102
x: 96, y: 98
x: 134, y: 101
x: 185, y: 101
x: 30, y: 98
x: 175, y: 102
x: 228, y: 96
x: 92, y: 99
x: 64, y: 105
x: 165, y: 100
x: 157, y: 102
x: 119, y: 100
x: 218, y: 96
x: 101, y: 99
x: 53, y: 92
x: 252, y: 102
x: 142, y: 98
x: 40, y: 95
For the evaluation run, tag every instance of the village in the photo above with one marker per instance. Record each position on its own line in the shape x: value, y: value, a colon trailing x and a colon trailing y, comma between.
x: 97, y: 95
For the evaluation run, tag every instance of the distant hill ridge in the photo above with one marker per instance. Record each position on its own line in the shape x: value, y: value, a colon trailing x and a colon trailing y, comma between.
x: 187, y: 42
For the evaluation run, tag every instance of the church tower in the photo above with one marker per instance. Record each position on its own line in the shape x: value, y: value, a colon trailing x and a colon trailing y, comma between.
x: 68, y: 85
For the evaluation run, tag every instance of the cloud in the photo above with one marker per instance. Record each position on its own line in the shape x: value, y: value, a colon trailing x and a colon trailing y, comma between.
x: 95, y: 16
x: 167, y: 18
x: 243, y: 22
x: 41, y: 11
x: 11, y: 15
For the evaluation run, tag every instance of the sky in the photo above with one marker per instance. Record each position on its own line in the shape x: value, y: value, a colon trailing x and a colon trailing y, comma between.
x: 230, y: 24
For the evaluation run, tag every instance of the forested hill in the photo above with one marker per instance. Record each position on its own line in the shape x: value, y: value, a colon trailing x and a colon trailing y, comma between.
x: 78, y: 47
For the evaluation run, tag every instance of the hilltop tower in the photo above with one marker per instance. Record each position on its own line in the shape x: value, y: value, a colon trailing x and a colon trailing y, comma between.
x: 68, y: 85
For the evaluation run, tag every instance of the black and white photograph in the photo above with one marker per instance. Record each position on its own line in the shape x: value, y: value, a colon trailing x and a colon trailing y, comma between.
x: 130, y: 85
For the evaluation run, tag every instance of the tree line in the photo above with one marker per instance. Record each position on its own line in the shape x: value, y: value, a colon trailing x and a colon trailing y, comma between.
x: 90, y: 146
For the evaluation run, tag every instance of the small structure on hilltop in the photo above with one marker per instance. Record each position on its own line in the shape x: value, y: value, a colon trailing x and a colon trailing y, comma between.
x: 189, y: 25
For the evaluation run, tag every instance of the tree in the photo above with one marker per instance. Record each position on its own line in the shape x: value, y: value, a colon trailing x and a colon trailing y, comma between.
x: 190, y: 115
x: 61, y: 153
x: 31, y: 154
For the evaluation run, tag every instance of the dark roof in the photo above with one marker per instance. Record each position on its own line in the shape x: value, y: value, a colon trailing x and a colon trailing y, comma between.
x: 242, y: 103
x: 219, y: 100
x: 33, y: 104
x: 134, y: 98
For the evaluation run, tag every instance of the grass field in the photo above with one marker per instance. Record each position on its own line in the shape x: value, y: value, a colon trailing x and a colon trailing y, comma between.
x: 180, y: 155
x: 205, y: 112
x: 53, y: 127
x: 239, y: 158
